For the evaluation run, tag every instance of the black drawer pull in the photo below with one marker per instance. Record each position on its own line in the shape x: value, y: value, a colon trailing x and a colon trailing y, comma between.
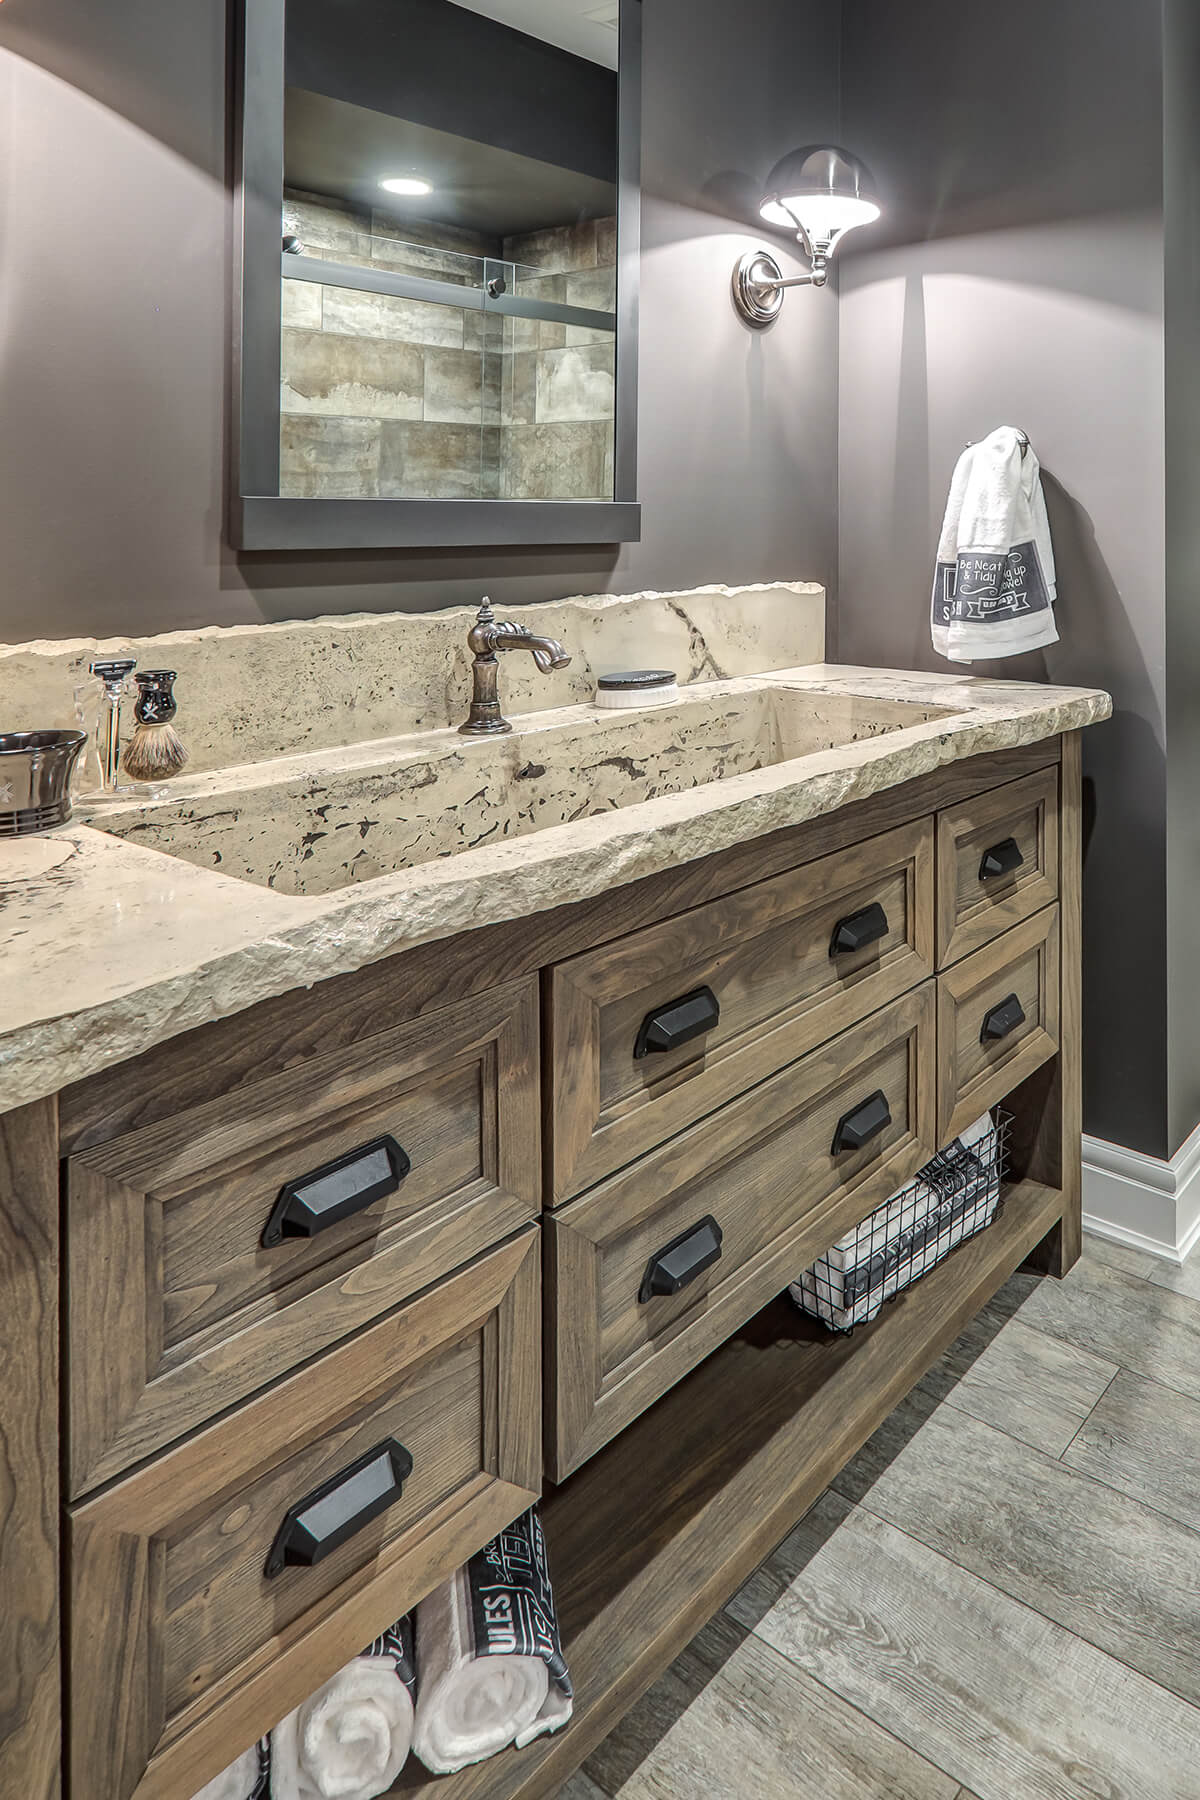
x: 680, y: 1261
x: 854, y: 1129
x: 678, y: 1022
x: 336, y: 1190
x: 328, y: 1517
x: 1002, y: 1020
x: 858, y: 930
x: 1001, y: 859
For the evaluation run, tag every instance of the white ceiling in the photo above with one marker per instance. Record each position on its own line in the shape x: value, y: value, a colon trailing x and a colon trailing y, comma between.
x: 586, y: 27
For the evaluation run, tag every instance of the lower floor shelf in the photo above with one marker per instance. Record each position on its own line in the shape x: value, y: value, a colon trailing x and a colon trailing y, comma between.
x: 658, y: 1530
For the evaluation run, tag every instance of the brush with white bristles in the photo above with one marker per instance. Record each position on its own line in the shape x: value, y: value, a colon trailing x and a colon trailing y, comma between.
x: 155, y: 752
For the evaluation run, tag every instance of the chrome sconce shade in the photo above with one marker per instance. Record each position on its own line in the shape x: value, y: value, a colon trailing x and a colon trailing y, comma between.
x: 820, y: 192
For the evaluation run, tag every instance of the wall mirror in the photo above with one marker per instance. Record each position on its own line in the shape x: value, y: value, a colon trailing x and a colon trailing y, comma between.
x: 438, y: 237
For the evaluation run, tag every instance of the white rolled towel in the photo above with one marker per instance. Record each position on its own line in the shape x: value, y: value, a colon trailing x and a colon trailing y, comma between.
x: 351, y: 1739
x: 469, y: 1707
x: 489, y: 1660
x: 246, y: 1779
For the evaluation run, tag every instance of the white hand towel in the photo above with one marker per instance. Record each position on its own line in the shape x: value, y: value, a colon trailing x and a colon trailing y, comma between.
x: 996, y: 583
x: 489, y: 1662
x: 351, y: 1740
x: 246, y: 1779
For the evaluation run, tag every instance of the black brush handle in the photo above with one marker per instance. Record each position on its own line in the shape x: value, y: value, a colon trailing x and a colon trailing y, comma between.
x: 1002, y: 1020
x: 1004, y: 858
x: 682, y: 1260
x: 156, y: 696
x: 859, y: 929
x: 864, y: 1122
x: 678, y: 1022
x: 329, y: 1517
x: 336, y: 1190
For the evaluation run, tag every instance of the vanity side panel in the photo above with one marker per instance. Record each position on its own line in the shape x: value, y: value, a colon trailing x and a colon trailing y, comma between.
x: 1048, y: 1137
x: 30, y: 1738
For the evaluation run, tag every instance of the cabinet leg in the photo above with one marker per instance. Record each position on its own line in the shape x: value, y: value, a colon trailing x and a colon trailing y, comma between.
x: 1060, y: 1249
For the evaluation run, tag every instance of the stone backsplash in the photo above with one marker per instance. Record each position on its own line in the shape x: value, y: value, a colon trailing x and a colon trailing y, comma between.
x: 250, y: 692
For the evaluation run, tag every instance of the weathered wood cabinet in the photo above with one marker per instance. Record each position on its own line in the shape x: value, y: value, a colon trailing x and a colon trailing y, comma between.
x: 248, y: 1311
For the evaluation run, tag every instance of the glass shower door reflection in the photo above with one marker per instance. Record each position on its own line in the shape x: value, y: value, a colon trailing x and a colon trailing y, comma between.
x: 560, y: 374
x: 382, y: 396
x: 411, y: 371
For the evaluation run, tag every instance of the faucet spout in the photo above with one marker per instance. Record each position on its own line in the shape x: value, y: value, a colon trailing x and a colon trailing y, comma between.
x: 487, y: 638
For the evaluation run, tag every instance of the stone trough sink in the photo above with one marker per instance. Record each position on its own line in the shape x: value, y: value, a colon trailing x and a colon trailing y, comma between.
x: 311, y: 824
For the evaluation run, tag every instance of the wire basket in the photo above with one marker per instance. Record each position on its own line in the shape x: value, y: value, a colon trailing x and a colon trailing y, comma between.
x: 954, y: 1196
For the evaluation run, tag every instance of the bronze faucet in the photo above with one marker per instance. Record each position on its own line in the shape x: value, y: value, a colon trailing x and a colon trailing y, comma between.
x: 486, y: 638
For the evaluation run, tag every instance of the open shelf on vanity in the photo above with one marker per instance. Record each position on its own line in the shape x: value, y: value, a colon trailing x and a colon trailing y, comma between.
x: 662, y: 1526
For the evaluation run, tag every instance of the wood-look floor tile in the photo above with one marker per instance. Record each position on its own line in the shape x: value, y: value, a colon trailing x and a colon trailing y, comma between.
x: 771, y: 1579
x: 759, y: 1727
x: 582, y: 1787
x: 1180, y: 1278
x: 1032, y: 1386
x: 1006, y: 1700
x: 1144, y: 1439
x: 1099, y: 1563
x: 1136, y: 1323
x: 616, y: 1759
x: 881, y: 1449
x: 984, y: 1336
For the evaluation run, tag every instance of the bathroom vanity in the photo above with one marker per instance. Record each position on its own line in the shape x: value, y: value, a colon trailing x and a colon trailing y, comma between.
x: 593, y: 1097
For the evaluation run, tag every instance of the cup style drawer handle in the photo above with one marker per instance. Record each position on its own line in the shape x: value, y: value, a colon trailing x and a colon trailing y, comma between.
x: 1001, y: 859
x: 682, y: 1260
x: 328, y: 1517
x: 858, y: 930
x: 678, y: 1023
x: 1002, y: 1020
x: 854, y: 1129
x: 336, y: 1190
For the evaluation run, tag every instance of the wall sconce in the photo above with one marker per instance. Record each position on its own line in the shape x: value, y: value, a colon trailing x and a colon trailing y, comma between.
x: 820, y: 193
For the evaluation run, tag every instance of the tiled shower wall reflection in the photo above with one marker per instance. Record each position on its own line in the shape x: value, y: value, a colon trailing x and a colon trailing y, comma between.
x: 397, y: 398
x: 558, y: 380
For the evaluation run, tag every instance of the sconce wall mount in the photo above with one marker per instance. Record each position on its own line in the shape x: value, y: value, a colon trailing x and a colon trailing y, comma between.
x: 820, y: 192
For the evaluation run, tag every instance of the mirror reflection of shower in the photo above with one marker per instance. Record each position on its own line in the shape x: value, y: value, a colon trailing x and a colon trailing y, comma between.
x: 449, y: 272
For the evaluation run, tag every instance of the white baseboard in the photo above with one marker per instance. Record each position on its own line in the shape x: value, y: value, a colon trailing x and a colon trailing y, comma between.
x: 1139, y: 1200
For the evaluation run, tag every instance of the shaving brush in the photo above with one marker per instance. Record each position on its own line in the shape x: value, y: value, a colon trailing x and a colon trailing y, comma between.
x: 155, y: 752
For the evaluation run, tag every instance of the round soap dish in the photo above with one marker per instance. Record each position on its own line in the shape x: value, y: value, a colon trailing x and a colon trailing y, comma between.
x: 35, y: 779
x: 637, y: 687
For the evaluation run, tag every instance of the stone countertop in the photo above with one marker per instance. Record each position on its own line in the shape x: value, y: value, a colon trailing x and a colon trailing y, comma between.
x: 109, y: 949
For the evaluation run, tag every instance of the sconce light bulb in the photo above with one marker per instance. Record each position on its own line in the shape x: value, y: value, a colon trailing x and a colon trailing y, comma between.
x: 410, y: 185
x: 824, y: 217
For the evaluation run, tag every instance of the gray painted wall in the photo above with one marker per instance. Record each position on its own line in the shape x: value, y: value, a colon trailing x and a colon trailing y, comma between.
x: 1182, y: 214
x: 1020, y: 281
x: 114, y: 318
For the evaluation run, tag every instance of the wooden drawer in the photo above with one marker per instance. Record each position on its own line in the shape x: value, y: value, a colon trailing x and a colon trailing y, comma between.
x: 176, y: 1309
x: 998, y: 1015
x: 183, y: 1649
x: 764, y: 1171
x: 997, y: 862
x: 765, y: 955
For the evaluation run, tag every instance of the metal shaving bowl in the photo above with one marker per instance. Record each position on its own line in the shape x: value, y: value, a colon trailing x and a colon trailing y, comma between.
x: 35, y: 779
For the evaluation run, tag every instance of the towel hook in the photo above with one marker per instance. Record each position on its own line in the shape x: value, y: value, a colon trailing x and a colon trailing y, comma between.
x: 1023, y: 437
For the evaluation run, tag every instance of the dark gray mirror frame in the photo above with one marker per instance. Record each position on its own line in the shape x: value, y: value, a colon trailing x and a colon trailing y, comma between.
x: 260, y: 519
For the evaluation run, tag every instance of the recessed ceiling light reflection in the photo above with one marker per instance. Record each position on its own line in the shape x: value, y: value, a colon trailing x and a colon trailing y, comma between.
x: 410, y: 185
